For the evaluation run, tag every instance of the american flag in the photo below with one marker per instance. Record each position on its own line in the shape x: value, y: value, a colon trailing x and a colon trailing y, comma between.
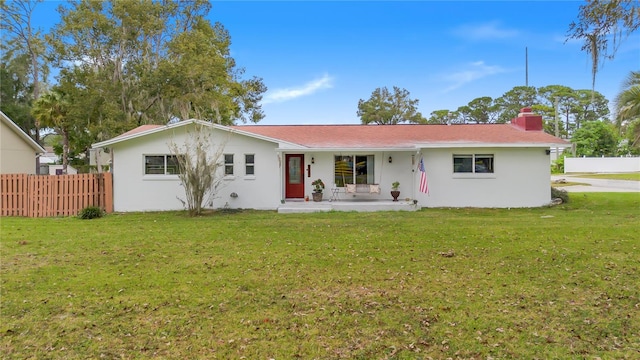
x: 424, y: 183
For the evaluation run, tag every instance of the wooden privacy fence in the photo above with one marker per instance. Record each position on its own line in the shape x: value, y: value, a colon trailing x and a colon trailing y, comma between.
x: 59, y: 195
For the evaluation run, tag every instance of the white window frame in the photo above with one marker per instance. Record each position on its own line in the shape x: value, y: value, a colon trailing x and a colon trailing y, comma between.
x: 165, y: 165
x: 249, y: 165
x: 371, y: 160
x: 474, y: 165
x: 229, y: 165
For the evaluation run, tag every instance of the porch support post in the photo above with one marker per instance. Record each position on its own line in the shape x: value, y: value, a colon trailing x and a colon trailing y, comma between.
x: 414, y: 166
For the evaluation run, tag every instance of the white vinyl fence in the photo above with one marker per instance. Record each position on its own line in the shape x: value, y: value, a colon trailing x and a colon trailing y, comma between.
x: 602, y: 165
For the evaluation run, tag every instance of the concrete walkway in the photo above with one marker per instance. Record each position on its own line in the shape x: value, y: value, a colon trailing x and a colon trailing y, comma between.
x: 293, y: 206
x: 597, y: 185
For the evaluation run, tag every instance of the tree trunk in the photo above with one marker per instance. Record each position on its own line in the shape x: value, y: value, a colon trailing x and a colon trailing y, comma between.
x: 65, y: 151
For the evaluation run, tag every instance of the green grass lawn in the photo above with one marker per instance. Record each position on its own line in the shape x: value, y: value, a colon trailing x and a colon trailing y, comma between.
x: 559, y: 282
x: 626, y: 176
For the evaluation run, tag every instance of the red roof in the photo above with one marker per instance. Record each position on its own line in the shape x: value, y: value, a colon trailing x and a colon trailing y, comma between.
x: 389, y: 136
x: 399, y: 136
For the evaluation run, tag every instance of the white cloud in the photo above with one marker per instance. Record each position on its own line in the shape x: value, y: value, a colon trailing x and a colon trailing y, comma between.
x: 286, y: 94
x: 473, y: 71
x: 487, y: 31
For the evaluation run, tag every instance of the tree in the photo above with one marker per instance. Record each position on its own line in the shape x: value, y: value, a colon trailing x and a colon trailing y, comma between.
x: 602, y: 25
x: 25, y: 68
x: 385, y: 108
x: 480, y: 110
x: 560, y: 99
x: 441, y: 117
x: 589, y: 106
x: 198, y: 164
x: 627, y: 102
x: 632, y: 137
x: 596, y: 138
x: 15, y: 96
x: 627, y: 110
x: 151, y: 62
x: 52, y: 109
x: 511, y: 102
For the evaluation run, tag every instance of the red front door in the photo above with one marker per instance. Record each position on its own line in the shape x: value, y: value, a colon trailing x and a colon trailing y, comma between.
x: 294, y: 176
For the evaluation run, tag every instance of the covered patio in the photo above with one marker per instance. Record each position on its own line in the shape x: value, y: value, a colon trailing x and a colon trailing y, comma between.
x: 359, y: 205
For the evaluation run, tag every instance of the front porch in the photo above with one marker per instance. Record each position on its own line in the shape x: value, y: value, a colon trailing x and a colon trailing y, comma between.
x: 359, y: 205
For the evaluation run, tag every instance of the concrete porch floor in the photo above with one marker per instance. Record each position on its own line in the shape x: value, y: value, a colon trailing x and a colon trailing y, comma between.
x: 301, y: 206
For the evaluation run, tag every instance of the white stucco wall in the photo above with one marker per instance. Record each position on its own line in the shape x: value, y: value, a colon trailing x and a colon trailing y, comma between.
x: 16, y: 156
x: 135, y: 191
x: 521, y: 178
x: 385, y: 173
x: 602, y: 165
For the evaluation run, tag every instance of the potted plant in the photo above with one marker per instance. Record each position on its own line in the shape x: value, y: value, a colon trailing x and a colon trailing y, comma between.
x: 318, y: 186
x: 394, y: 190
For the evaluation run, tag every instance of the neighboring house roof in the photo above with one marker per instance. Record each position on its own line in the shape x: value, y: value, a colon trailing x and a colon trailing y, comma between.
x: 49, y: 156
x: 13, y: 126
x: 383, y: 137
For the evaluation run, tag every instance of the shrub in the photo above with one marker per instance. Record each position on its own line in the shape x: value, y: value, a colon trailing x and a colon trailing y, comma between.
x: 557, y: 167
x: 560, y: 194
x: 91, y: 212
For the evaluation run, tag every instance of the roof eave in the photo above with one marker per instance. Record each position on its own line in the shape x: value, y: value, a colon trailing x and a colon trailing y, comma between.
x: 119, y: 139
x: 441, y: 145
x: 347, y: 149
x: 122, y: 138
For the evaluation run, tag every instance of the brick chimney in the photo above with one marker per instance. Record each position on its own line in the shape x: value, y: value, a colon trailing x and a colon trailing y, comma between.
x: 527, y: 120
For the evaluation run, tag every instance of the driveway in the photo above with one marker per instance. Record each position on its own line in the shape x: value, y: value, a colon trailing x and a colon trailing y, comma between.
x: 597, y: 185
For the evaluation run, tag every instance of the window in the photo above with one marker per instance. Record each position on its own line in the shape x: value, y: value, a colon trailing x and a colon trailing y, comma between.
x: 483, y: 164
x: 161, y: 165
x: 249, y: 168
x: 473, y: 163
x: 173, y: 167
x: 353, y: 169
x: 228, y: 164
x: 462, y: 163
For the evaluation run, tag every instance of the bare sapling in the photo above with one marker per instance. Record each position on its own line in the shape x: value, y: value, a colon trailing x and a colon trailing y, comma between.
x: 199, y: 162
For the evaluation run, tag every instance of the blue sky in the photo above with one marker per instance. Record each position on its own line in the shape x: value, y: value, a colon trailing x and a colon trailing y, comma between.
x: 319, y: 58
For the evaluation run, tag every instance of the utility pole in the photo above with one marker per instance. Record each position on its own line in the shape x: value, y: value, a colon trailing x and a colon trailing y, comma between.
x: 556, y: 101
x: 526, y: 66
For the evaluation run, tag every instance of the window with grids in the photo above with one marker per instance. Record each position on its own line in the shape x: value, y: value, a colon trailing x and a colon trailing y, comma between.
x: 228, y: 164
x: 161, y: 165
x: 249, y: 164
x: 473, y: 163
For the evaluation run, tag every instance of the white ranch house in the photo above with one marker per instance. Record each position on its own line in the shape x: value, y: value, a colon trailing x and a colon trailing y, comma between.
x: 272, y: 167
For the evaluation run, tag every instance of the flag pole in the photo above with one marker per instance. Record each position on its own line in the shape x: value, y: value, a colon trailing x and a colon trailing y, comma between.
x: 413, y: 177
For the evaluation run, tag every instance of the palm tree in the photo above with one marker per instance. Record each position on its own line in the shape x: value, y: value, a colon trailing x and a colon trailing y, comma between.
x: 51, y: 109
x: 628, y: 106
x: 628, y: 100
